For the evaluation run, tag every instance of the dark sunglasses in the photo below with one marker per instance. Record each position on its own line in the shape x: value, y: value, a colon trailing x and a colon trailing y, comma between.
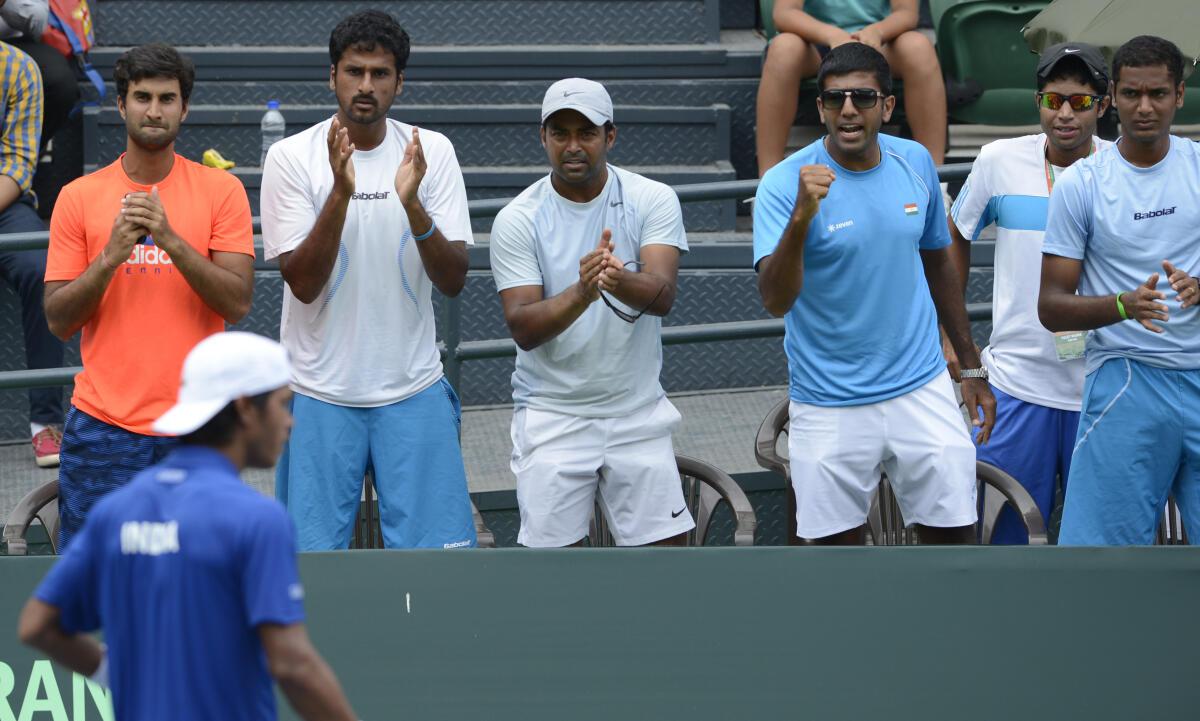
x: 862, y: 98
x: 1054, y: 101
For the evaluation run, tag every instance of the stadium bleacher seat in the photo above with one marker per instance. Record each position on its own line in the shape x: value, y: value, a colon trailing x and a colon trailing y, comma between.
x: 705, y: 489
x: 988, y: 67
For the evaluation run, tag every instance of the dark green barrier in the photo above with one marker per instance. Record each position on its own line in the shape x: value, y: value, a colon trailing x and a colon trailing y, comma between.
x: 729, y: 634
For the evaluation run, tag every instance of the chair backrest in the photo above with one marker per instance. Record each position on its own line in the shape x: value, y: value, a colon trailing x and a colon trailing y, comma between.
x: 368, y: 533
x: 1170, y: 530
x: 705, y: 488
x: 980, y: 45
x: 995, y: 489
x: 41, y: 504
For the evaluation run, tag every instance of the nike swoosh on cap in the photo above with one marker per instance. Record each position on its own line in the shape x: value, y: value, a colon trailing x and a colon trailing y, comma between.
x: 1071, y: 50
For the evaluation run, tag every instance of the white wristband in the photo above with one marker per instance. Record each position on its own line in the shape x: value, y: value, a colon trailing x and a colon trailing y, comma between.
x: 100, y: 675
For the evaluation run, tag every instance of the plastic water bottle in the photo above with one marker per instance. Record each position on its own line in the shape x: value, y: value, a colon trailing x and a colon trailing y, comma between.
x: 273, y: 128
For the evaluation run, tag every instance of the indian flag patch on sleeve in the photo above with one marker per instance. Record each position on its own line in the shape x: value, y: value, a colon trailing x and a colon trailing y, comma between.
x: 910, y: 208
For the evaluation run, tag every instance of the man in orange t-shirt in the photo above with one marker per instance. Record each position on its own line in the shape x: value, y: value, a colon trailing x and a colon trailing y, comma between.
x: 148, y: 256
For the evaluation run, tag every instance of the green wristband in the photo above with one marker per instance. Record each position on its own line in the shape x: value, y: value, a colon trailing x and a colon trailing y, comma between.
x: 1121, y: 308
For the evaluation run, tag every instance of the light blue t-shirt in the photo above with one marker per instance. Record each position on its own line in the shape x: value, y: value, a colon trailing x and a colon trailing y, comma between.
x: 863, y: 328
x: 849, y: 15
x: 1123, y: 221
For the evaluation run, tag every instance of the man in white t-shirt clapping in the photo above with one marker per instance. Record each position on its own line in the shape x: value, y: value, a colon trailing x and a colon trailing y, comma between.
x: 590, y: 413
x: 366, y: 216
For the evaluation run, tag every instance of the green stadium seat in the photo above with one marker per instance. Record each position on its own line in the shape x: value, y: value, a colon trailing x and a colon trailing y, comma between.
x: 982, y: 51
x: 765, y: 8
x: 1189, y: 114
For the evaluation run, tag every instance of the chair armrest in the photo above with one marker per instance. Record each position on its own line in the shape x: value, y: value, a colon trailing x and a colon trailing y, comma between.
x: 765, y: 451
x: 1018, y: 498
x: 745, y: 522
x: 483, y: 535
x: 24, y: 513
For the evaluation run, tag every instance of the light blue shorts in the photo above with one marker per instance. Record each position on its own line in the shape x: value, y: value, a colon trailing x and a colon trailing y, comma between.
x: 1139, y: 440
x: 411, y: 445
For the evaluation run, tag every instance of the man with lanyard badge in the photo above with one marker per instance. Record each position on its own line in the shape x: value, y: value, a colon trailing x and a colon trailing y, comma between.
x: 1036, y: 376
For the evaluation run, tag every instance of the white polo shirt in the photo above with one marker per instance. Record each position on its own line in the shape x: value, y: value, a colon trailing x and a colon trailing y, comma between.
x: 368, y: 338
x: 601, y: 366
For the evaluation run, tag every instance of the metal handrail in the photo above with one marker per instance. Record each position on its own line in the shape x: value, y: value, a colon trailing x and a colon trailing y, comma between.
x: 454, y: 351
x: 488, y: 207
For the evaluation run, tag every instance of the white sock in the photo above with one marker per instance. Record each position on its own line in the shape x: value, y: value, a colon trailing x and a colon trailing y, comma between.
x: 35, y: 428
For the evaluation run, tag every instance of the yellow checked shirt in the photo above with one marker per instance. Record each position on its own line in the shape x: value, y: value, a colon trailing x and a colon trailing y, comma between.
x: 21, y: 83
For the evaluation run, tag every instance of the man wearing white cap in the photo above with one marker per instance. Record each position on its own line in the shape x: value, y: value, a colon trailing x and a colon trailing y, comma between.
x: 590, y: 411
x: 186, y: 547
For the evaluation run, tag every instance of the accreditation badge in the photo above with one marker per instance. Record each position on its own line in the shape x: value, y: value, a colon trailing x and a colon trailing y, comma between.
x: 1069, y: 344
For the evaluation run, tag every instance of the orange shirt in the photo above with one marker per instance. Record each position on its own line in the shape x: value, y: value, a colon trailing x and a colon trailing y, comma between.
x: 149, y: 317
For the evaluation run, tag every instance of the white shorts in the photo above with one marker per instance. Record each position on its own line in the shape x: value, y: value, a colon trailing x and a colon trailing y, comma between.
x: 560, y: 460
x: 919, y: 439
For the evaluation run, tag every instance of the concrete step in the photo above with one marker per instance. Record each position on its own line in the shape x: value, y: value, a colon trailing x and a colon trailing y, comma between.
x: 738, y: 55
x: 501, y: 182
x: 464, y: 22
x: 737, y: 93
x: 495, y: 135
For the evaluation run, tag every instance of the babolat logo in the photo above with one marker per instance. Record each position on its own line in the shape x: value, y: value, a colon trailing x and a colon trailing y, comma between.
x: 381, y: 195
x: 1155, y: 213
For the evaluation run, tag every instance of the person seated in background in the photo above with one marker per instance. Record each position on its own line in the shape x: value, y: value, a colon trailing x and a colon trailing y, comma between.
x: 24, y: 270
x: 22, y: 23
x: 807, y: 31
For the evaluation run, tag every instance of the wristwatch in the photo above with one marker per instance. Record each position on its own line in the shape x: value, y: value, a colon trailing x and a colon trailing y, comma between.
x: 973, y: 373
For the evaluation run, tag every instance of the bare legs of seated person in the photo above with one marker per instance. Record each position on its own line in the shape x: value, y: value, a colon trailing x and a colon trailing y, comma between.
x: 791, y: 59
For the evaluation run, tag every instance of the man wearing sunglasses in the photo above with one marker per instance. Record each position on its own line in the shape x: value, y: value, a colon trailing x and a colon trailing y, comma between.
x: 590, y: 413
x: 851, y: 246
x: 1121, y: 254
x: 1036, y: 375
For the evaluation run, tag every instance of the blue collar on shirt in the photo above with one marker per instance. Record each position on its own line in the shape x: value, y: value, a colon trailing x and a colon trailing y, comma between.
x: 201, y: 458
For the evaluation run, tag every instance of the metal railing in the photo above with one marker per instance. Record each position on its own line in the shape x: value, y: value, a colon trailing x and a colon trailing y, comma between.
x: 456, y: 351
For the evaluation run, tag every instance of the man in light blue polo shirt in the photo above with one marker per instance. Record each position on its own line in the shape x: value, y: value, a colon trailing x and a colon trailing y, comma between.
x: 190, y: 573
x: 850, y: 241
x: 1124, y: 230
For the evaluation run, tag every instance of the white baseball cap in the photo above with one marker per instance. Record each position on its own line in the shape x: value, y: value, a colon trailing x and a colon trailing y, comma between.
x: 586, y: 96
x: 220, y: 369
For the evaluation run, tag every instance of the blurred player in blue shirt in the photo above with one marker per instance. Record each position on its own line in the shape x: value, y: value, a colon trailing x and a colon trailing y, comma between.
x: 190, y: 573
x: 851, y: 247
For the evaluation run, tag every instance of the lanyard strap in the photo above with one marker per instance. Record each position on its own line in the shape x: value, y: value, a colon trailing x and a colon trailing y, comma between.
x: 1050, y: 168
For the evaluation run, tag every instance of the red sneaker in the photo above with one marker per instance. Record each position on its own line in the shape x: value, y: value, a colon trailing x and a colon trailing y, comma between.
x: 46, y: 445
